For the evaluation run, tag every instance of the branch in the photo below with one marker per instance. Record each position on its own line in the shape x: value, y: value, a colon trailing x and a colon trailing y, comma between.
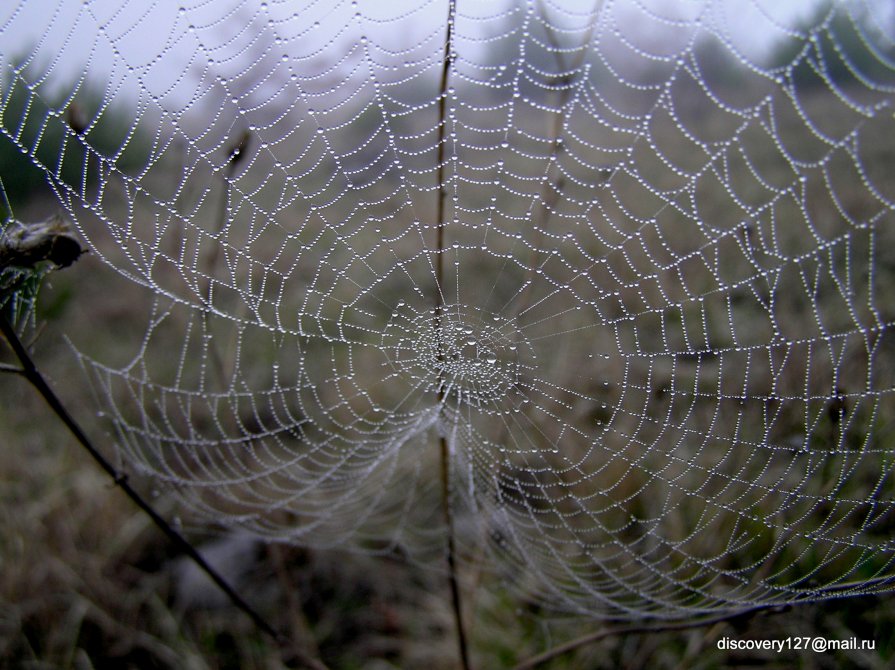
x: 32, y: 374
x: 739, y: 615
x: 442, y: 128
x: 638, y: 629
x: 456, y: 602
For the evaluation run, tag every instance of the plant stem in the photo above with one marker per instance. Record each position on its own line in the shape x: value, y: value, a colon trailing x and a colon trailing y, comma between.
x: 442, y: 127
x: 440, y: 223
x: 35, y: 378
x: 639, y: 629
x: 207, y: 294
x: 452, y: 554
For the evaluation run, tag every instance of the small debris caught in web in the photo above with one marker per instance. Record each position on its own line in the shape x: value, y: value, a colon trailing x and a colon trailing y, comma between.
x: 237, y: 151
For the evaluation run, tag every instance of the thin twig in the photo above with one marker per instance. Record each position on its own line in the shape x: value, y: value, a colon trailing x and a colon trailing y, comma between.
x: 207, y: 294
x: 637, y: 629
x: 442, y: 139
x: 235, y: 154
x: 456, y: 602
x: 440, y: 223
x: 35, y: 378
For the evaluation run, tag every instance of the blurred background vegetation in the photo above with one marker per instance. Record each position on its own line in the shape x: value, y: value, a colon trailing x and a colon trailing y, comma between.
x: 87, y: 582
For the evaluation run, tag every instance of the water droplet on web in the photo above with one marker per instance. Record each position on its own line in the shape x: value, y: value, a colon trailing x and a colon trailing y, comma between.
x: 277, y: 265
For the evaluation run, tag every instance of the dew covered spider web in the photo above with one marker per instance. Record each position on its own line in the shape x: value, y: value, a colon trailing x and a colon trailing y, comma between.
x: 654, y: 331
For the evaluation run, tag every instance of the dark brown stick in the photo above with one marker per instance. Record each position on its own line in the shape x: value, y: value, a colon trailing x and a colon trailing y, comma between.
x: 637, y: 629
x: 456, y: 602
x: 35, y: 378
x: 442, y: 127
x: 440, y: 223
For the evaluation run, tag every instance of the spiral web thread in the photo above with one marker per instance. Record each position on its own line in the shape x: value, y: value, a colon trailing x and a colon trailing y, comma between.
x: 661, y: 354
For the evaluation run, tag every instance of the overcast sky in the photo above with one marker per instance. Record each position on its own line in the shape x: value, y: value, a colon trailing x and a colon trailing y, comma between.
x: 112, y: 36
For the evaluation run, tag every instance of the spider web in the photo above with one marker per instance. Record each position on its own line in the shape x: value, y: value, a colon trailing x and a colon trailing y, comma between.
x: 660, y: 350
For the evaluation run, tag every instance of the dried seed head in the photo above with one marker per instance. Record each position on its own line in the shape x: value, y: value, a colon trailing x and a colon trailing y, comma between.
x: 24, y: 245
